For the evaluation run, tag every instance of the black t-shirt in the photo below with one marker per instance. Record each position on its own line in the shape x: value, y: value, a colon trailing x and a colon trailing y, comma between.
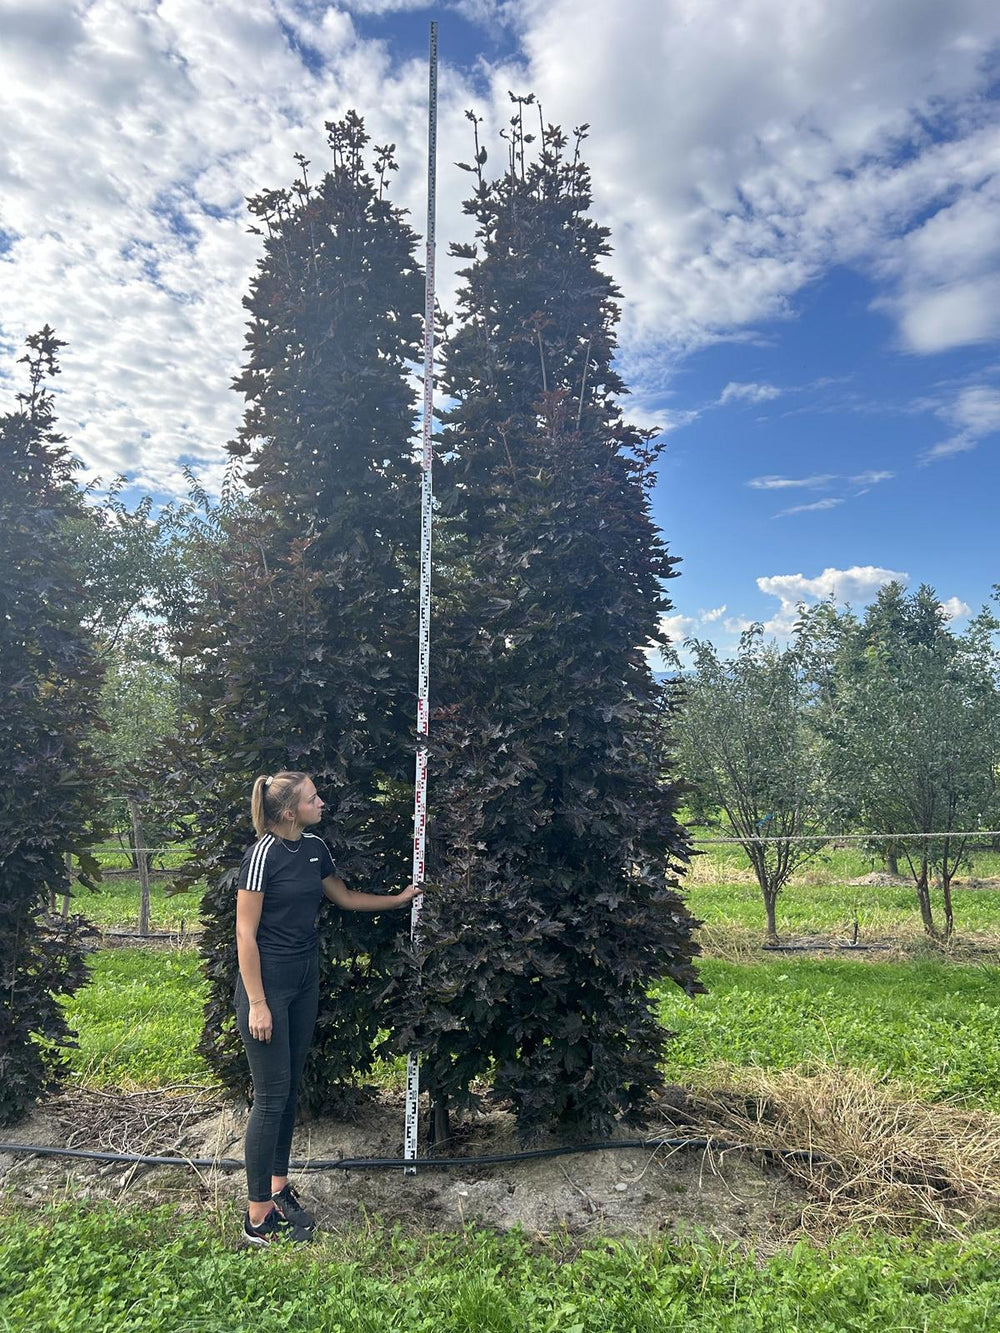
x: 291, y: 882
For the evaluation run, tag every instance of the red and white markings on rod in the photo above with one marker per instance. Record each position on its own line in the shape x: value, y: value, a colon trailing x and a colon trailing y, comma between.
x: 424, y: 662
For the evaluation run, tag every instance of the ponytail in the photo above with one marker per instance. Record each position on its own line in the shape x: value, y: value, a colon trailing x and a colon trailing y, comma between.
x: 271, y: 797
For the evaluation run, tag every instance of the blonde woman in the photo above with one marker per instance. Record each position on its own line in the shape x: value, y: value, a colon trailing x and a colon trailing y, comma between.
x: 284, y: 878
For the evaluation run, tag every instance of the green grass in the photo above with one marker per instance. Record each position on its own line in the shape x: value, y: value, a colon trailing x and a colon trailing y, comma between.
x: 74, y: 1268
x: 832, y: 909
x: 933, y: 1026
x: 844, y: 862
x: 139, y: 1019
x: 117, y: 904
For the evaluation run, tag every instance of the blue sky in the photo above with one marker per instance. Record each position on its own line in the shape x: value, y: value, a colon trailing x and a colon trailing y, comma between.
x: 804, y: 203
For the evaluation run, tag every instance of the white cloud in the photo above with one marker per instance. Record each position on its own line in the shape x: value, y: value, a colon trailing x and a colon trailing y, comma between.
x: 872, y: 478
x: 748, y: 393
x: 955, y: 316
x: 819, y: 482
x: 751, y: 147
x: 678, y: 628
x: 829, y: 503
x: 787, y: 483
x: 948, y: 268
x: 382, y: 6
x: 122, y: 180
x: 955, y: 609
x: 973, y: 415
x: 853, y: 586
x: 748, y: 149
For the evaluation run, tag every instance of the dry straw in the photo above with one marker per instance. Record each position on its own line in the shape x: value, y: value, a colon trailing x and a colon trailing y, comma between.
x: 872, y: 1158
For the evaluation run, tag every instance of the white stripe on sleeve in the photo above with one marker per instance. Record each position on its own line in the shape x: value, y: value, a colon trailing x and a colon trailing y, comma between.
x: 258, y: 859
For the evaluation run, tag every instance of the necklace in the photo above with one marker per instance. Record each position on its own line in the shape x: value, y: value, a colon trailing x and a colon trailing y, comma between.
x: 291, y: 850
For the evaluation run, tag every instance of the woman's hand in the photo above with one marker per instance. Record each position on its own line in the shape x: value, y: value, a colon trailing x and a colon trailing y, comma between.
x: 409, y: 893
x: 260, y: 1021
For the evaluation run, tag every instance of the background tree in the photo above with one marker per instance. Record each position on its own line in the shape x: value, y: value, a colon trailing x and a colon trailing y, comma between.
x: 910, y: 732
x: 136, y: 597
x: 746, y: 745
x: 50, y: 793
x: 554, y: 842
x: 305, y: 654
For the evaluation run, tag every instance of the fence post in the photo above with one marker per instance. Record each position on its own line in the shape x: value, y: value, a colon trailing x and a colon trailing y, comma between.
x: 142, y: 863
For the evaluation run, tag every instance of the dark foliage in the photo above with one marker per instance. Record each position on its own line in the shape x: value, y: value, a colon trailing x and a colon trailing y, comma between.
x: 306, y: 651
x: 554, y: 838
x: 50, y: 682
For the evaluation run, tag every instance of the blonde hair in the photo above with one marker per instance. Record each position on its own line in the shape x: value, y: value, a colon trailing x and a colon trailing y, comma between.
x: 271, y: 797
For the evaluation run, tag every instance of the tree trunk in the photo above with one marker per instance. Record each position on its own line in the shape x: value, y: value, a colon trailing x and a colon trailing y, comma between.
x: 892, y: 861
x: 439, y: 1120
x: 949, y: 914
x: 924, y: 899
x: 770, y: 902
x: 142, y: 864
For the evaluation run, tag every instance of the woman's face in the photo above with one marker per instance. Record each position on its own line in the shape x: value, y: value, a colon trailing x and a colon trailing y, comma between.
x: 309, y: 807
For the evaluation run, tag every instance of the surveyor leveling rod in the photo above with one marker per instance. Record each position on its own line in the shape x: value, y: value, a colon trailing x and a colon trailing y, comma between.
x: 424, y: 657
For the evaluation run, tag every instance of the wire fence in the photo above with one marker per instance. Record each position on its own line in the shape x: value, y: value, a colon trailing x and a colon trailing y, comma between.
x: 844, y: 837
x: 178, y: 848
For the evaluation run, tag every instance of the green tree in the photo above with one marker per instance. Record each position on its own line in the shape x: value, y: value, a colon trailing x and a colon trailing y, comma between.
x: 910, y: 733
x: 50, y: 680
x: 554, y: 843
x: 305, y: 651
x: 136, y: 595
x: 746, y: 745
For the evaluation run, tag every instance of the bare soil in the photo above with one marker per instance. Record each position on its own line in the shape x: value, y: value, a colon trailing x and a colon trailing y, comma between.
x: 733, y: 1195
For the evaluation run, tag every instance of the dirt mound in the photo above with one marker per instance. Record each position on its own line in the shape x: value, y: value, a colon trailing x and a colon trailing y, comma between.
x: 731, y: 1194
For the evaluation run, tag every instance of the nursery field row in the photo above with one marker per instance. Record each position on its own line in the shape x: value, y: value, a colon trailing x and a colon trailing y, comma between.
x: 933, y: 1027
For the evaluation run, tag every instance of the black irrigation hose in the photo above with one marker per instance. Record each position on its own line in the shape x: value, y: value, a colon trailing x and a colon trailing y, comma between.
x: 398, y: 1163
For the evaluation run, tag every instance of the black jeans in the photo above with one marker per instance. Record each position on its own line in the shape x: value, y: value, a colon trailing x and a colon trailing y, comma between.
x: 291, y: 989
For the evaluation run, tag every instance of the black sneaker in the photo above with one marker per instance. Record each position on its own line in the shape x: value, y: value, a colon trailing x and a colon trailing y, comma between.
x: 291, y: 1210
x: 273, y: 1230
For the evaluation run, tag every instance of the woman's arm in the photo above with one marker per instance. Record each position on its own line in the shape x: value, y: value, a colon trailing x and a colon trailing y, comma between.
x: 248, y: 909
x: 337, y: 891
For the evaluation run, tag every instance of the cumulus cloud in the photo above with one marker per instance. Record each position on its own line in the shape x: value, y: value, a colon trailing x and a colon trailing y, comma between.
x: 733, y: 169
x: 123, y: 174
x: 973, y: 415
x: 854, y: 586
x: 858, y: 584
x: 948, y: 268
x: 727, y: 161
x: 955, y: 609
x: 678, y: 628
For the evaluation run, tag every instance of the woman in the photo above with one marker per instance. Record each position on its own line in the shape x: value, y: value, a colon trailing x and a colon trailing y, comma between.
x: 283, y: 880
